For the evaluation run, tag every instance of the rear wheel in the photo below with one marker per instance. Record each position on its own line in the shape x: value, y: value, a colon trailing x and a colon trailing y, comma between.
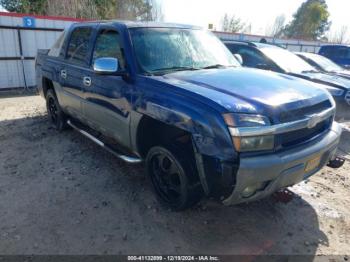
x: 173, y: 177
x: 56, y: 115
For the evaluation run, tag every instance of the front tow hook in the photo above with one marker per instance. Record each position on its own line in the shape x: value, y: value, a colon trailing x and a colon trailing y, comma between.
x: 337, y: 162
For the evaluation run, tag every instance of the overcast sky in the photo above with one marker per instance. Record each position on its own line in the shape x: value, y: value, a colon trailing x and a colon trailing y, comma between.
x: 260, y: 13
x: 2, y: 9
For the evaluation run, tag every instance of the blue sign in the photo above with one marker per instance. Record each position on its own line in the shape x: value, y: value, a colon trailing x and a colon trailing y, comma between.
x: 28, y: 21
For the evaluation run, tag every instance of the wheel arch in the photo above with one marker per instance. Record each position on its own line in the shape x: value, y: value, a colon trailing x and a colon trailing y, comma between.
x: 199, y: 134
x: 46, y: 85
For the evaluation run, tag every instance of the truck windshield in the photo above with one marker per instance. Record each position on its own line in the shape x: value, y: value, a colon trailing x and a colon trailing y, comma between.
x: 288, y: 61
x: 324, y: 63
x: 164, y: 50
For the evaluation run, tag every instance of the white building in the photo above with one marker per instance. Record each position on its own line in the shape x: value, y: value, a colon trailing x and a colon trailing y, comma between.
x: 20, y: 37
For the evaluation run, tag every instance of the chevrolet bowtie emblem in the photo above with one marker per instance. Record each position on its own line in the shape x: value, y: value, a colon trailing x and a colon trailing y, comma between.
x: 313, y: 121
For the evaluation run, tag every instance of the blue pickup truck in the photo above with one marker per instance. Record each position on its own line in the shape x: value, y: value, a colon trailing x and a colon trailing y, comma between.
x: 339, y: 54
x: 173, y: 97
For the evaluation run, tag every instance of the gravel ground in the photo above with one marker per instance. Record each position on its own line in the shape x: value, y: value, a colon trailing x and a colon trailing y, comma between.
x: 62, y: 194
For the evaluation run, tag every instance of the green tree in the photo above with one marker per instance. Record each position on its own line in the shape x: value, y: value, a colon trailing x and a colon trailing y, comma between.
x: 310, y: 22
x: 11, y: 5
x: 24, y: 6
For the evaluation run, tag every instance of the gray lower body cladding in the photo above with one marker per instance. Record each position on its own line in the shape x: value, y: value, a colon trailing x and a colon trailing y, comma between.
x: 276, y: 171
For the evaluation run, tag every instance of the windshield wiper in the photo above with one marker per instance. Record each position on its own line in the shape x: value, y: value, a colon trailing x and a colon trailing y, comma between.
x: 309, y: 71
x: 214, y: 66
x: 175, y: 68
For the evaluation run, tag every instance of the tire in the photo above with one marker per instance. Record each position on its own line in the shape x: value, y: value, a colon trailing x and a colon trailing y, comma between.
x: 173, y: 177
x: 56, y: 115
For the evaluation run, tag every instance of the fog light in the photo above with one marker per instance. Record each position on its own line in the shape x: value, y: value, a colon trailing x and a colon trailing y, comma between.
x: 248, y: 191
x: 252, y: 189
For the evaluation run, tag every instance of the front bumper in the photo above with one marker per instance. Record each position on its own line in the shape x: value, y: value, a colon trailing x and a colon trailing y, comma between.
x: 283, y: 169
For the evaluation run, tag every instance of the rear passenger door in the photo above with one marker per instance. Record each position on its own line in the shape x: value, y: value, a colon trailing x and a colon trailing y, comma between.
x: 75, y: 63
x: 108, y: 98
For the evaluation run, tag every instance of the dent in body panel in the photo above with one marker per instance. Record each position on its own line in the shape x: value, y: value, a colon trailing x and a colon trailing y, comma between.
x: 205, y: 124
x: 229, y: 102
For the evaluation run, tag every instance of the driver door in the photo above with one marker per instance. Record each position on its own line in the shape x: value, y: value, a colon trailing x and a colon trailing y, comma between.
x: 107, y: 98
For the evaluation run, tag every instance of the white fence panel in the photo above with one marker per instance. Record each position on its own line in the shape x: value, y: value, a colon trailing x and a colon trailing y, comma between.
x: 11, y: 75
x: 18, y: 69
x: 8, y: 40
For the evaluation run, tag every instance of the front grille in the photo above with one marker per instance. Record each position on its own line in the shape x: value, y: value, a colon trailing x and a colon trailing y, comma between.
x: 347, y: 97
x: 303, y: 135
x: 300, y: 113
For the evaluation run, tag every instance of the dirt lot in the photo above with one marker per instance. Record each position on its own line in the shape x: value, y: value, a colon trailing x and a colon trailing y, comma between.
x: 62, y: 194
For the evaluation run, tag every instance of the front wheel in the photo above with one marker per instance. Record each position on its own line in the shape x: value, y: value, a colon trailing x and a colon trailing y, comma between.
x: 173, y: 178
x: 56, y: 115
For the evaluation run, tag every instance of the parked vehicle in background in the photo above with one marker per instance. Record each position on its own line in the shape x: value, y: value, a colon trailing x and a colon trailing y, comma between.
x: 277, y: 59
x: 324, y: 64
x: 175, y: 97
x: 339, y: 54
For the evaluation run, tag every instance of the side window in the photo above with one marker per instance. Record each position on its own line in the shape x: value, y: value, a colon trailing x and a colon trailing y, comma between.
x: 313, y: 63
x: 78, y: 46
x: 325, y: 51
x: 232, y: 48
x: 250, y: 57
x: 108, y: 44
x: 343, y: 52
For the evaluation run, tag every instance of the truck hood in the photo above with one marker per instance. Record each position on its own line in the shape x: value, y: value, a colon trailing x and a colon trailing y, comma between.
x: 342, y: 73
x: 326, y: 79
x: 249, y: 90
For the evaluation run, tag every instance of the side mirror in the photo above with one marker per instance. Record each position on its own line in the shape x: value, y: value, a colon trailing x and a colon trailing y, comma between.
x: 106, y: 65
x: 239, y: 58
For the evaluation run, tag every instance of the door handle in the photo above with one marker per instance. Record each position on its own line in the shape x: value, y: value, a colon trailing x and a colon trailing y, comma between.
x: 87, y: 81
x: 64, y: 74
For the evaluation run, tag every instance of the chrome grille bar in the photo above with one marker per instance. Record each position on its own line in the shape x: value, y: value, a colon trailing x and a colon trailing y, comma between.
x: 308, y: 122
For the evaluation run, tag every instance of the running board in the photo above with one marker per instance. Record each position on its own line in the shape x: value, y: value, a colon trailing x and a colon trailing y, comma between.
x: 129, y: 159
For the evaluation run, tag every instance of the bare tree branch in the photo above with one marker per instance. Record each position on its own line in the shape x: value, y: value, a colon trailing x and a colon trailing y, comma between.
x: 276, y: 29
x: 340, y: 36
x: 232, y: 24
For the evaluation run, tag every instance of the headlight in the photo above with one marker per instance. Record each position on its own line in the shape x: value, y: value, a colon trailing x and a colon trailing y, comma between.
x: 251, y: 143
x: 245, y: 120
x: 335, y: 91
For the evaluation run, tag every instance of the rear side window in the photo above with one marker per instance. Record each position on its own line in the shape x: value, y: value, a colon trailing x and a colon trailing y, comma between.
x: 78, y: 46
x: 344, y: 52
x: 335, y: 52
x: 108, y: 44
x: 56, y: 48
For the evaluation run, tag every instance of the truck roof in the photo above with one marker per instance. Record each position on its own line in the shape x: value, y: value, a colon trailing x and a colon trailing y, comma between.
x: 336, y: 45
x: 136, y: 24
x: 249, y: 43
